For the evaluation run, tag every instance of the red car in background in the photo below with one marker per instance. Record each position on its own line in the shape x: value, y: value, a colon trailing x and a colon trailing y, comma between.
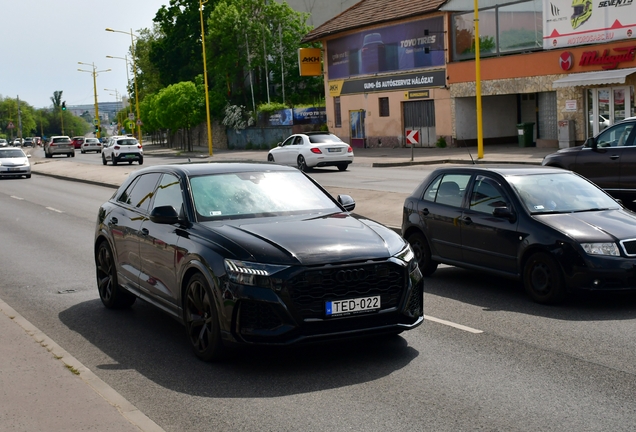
x: 77, y: 142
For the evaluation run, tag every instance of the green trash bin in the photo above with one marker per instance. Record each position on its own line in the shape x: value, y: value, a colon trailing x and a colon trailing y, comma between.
x: 525, y: 132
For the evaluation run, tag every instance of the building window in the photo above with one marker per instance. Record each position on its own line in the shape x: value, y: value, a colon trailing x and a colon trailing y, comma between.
x: 384, y: 107
x: 337, y: 114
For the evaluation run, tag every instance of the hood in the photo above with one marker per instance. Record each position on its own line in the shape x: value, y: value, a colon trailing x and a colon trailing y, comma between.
x: 586, y: 226
x: 338, y: 237
x: 16, y: 161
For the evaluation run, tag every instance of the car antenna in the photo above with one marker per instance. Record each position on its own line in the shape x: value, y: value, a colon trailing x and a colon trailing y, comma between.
x: 471, y: 156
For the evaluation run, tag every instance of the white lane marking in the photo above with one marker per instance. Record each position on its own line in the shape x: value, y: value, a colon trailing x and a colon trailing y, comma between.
x: 452, y: 324
x: 17, y: 197
x: 54, y: 209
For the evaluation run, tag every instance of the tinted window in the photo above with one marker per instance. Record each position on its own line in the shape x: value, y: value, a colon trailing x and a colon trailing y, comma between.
x: 127, y: 141
x: 324, y: 139
x: 61, y: 140
x: 616, y: 136
x: 451, y: 189
x: 486, y: 196
x: 140, y: 192
x: 169, y: 193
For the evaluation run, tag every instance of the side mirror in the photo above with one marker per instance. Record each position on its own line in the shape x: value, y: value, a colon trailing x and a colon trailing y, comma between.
x: 591, y: 142
x: 347, y: 202
x: 29, y: 155
x: 164, y: 215
x: 280, y: 144
x: 504, y: 213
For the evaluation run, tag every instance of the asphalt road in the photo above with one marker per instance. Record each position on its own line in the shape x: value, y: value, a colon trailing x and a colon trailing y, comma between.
x: 485, y: 359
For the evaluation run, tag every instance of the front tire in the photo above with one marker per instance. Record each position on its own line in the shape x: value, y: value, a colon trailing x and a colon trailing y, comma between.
x: 543, y: 280
x: 201, y: 320
x: 422, y: 251
x: 111, y: 294
x: 270, y: 158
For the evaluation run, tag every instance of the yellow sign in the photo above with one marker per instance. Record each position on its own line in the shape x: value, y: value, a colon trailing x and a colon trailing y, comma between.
x: 417, y: 94
x: 310, y: 61
x: 335, y: 87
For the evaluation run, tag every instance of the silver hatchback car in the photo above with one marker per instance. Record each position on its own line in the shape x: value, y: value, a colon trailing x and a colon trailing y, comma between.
x: 59, y: 145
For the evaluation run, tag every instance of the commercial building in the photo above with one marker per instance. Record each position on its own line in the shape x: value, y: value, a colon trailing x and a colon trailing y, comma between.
x: 404, y: 71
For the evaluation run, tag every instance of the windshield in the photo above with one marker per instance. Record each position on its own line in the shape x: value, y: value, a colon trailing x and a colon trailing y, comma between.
x: 257, y: 194
x: 11, y: 153
x: 560, y: 193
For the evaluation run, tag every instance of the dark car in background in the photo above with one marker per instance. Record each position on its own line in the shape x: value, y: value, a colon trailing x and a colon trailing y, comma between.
x: 253, y: 254
x: 608, y: 159
x: 550, y: 228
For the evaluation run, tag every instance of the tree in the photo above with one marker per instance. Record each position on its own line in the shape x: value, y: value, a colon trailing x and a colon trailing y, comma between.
x: 177, y: 51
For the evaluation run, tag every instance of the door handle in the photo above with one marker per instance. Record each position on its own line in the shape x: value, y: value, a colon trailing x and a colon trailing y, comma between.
x: 114, y: 220
x: 613, y: 157
x: 466, y: 220
x: 145, y: 231
x: 425, y: 212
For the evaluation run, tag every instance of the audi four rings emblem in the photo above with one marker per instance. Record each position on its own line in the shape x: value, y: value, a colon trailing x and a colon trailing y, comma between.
x: 355, y: 275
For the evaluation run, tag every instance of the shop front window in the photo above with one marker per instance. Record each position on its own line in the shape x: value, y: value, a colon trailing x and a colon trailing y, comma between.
x: 502, y: 29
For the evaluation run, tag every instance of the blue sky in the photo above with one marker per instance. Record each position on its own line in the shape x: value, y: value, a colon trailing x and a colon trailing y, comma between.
x: 42, y: 41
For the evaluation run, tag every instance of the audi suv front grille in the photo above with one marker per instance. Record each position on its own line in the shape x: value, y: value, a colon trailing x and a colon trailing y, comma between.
x: 312, y: 288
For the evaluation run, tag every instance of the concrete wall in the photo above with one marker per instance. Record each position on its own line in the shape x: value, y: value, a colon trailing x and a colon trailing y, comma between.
x: 499, y: 117
x: 257, y: 138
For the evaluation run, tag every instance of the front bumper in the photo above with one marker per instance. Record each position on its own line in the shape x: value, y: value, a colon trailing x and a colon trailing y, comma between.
x: 294, y: 312
x: 9, y: 171
x: 596, y: 273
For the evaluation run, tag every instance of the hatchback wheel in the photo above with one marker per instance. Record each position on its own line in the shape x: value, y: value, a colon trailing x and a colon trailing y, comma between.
x: 111, y: 294
x: 543, y: 280
x: 104, y: 159
x: 201, y: 320
x: 301, y: 163
x: 141, y: 160
x: 114, y: 159
x: 422, y: 252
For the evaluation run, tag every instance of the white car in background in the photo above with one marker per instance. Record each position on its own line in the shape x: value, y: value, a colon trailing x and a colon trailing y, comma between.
x: 91, y: 144
x: 312, y: 149
x: 122, y: 149
x: 14, y: 163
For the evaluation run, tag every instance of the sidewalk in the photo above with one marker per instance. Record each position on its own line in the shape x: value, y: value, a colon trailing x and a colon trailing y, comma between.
x: 44, y: 388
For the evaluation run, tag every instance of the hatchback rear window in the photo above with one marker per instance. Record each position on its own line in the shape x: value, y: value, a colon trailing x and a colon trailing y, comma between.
x: 127, y: 142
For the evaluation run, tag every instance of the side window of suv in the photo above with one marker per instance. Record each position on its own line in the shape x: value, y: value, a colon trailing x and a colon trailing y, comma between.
x: 139, y: 193
x: 616, y: 136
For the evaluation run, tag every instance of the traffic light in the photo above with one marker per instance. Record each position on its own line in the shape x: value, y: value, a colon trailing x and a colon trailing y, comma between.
x: 64, y: 106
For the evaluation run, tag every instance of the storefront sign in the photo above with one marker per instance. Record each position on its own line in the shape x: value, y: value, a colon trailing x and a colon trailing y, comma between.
x: 388, y: 83
x: 568, y: 23
x: 570, y: 105
x: 310, y: 116
x: 566, y: 60
x: 310, y: 61
x: 417, y: 94
x: 609, y: 59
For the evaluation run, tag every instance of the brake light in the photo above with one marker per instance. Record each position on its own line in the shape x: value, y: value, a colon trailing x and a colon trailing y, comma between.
x: 138, y: 146
x: 316, y: 150
x: 52, y: 144
x: 349, y: 150
x: 116, y: 147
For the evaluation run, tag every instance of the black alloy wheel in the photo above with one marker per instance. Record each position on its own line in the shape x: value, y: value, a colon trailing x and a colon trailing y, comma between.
x: 111, y: 294
x: 201, y: 320
x: 301, y: 163
x: 422, y: 252
x: 543, y: 280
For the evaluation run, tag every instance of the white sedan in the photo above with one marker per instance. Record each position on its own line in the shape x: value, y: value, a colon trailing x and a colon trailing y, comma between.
x: 312, y: 149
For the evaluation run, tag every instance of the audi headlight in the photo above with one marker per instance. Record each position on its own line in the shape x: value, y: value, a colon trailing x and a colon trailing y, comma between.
x: 601, y: 249
x: 408, y: 256
x: 251, y: 273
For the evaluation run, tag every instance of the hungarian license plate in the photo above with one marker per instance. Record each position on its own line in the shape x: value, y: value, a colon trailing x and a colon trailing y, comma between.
x: 352, y: 306
x: 333, y: 150
x: 130, y: 156
x: 14, y: 169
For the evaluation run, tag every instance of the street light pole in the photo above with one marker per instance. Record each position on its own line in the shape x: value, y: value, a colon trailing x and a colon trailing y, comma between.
x: 94, y: 72
x: 132, y: 41
x: 127, y: 79
x: 121, y: 107
x: 205, y: 81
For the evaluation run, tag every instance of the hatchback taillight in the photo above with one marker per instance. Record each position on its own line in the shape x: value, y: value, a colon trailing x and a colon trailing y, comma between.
x: 116, y: 147
x: 138, y: 146
x: 316, y: 150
